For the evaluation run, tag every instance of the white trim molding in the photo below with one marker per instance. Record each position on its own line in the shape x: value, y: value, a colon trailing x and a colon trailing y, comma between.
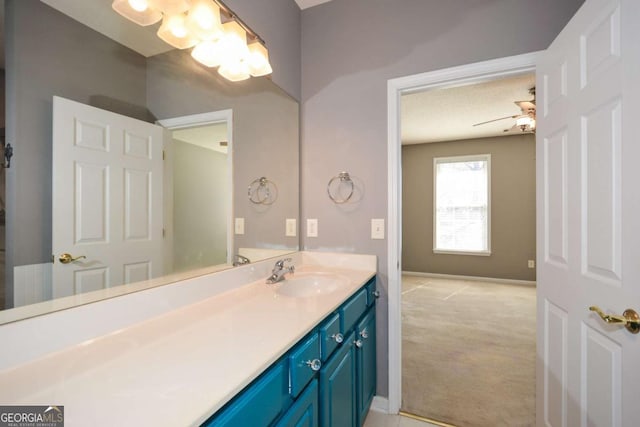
x: 439, y: 79
x: 471, y: 278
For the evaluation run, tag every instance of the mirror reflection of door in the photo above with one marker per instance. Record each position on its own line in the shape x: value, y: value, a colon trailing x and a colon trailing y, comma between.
x: 107, y: 199
x: 133, y: 201
x: 201, y: 196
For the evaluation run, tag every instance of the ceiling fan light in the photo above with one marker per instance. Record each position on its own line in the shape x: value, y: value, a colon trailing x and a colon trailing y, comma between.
x: 174, y: 31
x: 203, y: 20
x: 139, y: 11
x: 258, y: 60
x: 523, y: 121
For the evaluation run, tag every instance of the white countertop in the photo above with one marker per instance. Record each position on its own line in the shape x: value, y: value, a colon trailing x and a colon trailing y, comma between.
x: 177, y: 368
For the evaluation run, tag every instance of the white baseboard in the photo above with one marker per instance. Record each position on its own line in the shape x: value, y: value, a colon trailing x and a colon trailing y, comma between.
x: 380, y: 404
x: 475, y: 278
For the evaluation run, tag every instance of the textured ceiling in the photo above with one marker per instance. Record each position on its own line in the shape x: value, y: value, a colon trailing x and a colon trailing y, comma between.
x: 449, y: 114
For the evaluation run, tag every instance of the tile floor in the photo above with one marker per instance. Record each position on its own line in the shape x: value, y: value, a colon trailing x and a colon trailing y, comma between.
x: 379, y: 419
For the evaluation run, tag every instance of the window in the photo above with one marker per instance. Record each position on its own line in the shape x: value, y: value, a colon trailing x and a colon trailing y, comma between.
x: 461, y: 205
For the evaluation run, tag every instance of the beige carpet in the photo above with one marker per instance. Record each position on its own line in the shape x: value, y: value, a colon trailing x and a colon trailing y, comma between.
x: 468, y: 352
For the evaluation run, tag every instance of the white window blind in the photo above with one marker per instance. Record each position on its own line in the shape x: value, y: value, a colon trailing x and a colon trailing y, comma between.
x: 462, y: 204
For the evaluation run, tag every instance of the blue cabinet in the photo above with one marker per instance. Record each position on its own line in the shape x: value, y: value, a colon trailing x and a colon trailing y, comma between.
x: 327, y: 379
x: 304, y: 412
x: 366, y: 363
x: 258, y: 405
x: 338, y: 388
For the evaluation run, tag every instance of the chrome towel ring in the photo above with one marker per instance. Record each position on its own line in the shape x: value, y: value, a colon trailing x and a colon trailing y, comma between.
x: 340, y: 188
x: 262, y: 191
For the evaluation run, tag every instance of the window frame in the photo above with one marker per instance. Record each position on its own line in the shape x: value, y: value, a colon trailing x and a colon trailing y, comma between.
x: 459, y: 159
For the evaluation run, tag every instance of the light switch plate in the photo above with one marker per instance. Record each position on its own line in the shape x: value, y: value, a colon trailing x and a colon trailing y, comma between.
x: 377, y: 228
x: 290, y: 227
x: 239, y: 226
x: 312, y: 227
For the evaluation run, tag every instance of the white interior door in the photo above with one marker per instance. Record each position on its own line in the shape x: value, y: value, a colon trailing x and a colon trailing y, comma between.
x: 588, y: 229
x: 107, y: 198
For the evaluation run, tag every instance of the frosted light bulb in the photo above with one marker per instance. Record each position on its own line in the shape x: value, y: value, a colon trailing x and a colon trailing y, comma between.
x: 177, y: 27
x: 139, y: 5
x: 207, y: 53
x: 204, y: 16
x: 203, y: 20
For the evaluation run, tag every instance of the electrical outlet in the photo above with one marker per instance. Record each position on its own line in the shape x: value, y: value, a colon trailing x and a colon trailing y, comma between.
x: 239, y: 226
x: 377, y: 228
x: 312, y: 227
x: 531, y: 263
x: 290, y: 227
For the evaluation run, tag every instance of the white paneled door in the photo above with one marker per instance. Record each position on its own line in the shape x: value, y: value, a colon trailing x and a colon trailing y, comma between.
x: 588, y: 173
x: 107, y: 198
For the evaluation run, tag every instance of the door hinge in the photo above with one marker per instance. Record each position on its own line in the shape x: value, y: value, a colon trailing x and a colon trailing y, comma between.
x: 163, y: 154
x: 163, y: 233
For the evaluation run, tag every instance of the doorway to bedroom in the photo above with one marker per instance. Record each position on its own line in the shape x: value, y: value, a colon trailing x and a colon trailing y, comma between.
x: 468, y: 250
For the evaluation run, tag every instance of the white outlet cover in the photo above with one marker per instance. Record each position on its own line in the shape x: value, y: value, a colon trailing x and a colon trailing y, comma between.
x: 312, y: 227
x: 290, y: 227
x: 239, y: 226
x: 377, y: 228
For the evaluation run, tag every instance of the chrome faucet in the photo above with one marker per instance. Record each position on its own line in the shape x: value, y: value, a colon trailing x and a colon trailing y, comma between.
x: 240, y: 260
x: 279, y: 270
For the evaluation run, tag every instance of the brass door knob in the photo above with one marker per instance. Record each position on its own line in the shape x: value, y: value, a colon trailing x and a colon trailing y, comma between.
x: 67, y: 258
x: 629, y: 318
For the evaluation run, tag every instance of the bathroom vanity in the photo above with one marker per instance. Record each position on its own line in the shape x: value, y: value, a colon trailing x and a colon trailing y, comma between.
x: 220, y: 349
x: 328, y: 378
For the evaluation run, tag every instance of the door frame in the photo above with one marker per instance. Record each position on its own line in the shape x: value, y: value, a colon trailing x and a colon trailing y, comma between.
x: 440, y: 79
x: 209, y: 118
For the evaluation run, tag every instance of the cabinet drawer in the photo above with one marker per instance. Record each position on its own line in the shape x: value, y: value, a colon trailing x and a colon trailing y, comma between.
x: 352, y: 310
x: 304, y: 361
x: 330, y: 336
x: 260, y: 404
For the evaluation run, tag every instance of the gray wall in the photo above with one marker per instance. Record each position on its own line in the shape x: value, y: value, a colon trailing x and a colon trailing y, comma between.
x: 38, y: 63
x: 200, y: 191
x: 350, y: 48
x: 265, y: 137
x: 278, y: 23
x: 513, y: 208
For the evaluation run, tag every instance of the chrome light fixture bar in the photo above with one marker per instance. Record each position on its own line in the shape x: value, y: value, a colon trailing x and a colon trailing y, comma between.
x: 231, y: 46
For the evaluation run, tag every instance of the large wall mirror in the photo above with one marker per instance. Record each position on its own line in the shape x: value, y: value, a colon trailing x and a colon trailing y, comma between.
x: 67, y: 79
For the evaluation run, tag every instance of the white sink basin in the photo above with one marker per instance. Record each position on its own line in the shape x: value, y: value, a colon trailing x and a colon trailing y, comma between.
x: 309, y: 284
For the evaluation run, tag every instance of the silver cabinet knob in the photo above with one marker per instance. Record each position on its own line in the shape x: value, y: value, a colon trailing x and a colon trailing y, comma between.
x: 376, y: 294
x: 314, y: 364
x: 364, y: 334
x: 358, y: 343
x: 338, y: 338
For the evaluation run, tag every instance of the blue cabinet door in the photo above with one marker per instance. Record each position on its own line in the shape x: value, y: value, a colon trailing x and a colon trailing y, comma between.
x: 259, y: 405
x: 338, y: 388
x: 366, y: 363
x: 304, y: 412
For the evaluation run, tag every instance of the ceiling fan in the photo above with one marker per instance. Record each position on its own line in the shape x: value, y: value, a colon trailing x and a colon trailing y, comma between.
x: 526, y: 120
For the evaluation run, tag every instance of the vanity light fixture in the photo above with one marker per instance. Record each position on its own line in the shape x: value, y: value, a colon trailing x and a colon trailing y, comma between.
x: 218, y: 37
